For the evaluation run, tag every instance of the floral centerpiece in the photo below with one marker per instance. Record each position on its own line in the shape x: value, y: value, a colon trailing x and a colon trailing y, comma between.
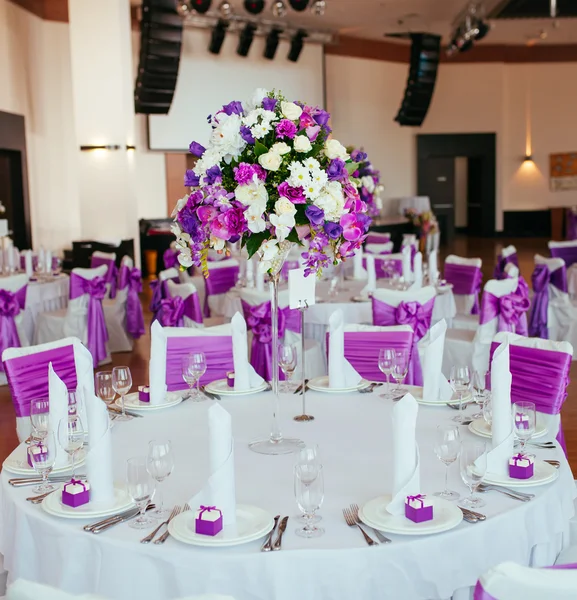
x: 425, y: 222
x: 367, y: 180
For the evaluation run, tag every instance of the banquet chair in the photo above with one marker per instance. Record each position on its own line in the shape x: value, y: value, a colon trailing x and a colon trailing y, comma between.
x: 507, y: 255
x: 566, y: 250
x: 465, y: 275
x: 222, y: 276
x: 412, y: 307
x: 159, y: 289
x: 109, y: 259
x: 84, y: 317
x: 375, y: 237
x: 170, y: 257
x: 181, y: 307
x: 387, y: 266
x: 384, y: 248
x: 256, y: 307
x: 27, y: 373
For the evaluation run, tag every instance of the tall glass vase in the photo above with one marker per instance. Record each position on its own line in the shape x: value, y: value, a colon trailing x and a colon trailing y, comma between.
x: 276, y: 443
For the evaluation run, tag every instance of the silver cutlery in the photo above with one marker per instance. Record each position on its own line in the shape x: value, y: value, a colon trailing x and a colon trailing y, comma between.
x: 25, y: 481
x: 380, y: 536
x: 485, y: 487
x: 300, y: 387
x: 111, y: 518
x: 165, y: 535
x: 467, y: 516
x: 211, y: 395
x: 117, y: 411
x: 117, y: 519
x: 39, y: 499
x: 541, y: 446
x: 455, y: 405
x: 151, y: 536
x: 554, y: 463
x: 267, y: 545
x: 350, y: 520
x: 281, y: 529
x: 370, y: 388
x: 473, y: 514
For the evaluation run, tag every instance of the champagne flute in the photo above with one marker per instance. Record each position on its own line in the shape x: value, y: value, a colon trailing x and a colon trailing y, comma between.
x: 386, y: 360
x: 193, y: 368
x: 460, y: 380
x: 447, y: 448
x: 479, y: 385
x: 473, y: 469
x: 140, y: 488
x: 71, y: 437
x: 524, y: 422
x: 121, y: 383
x: 160, y: 466
x: 400, y: 369
x: 42, y: 455
x: 40, y: 417
x: 309, y: 456
x: 309, y: 493
x: 287, y: 361
x: 104, y: 387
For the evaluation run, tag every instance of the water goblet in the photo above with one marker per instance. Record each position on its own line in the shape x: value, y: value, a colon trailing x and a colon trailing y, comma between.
x: 121, y: 383
x: 160, y: 466
x: 42, y: 455
x: 193, y: 368
x: 287, y: 361
x: 309, y: 456
x: 140, y: 487
x: 400, y: 369
x: 71, y: 437
x: 460, y: 380
x: 447, y: 448
x: 524, y: 422
x: 40, y: 417
x: 386, y: 360
x: 473, y: 469
x: 104, y: 387
x: 309, y: 494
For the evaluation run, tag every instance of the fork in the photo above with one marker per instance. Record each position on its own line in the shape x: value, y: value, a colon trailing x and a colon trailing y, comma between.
x: 150, y: 536
x: 380, y: 536
x: 165, y: 535
x: 350, y: 520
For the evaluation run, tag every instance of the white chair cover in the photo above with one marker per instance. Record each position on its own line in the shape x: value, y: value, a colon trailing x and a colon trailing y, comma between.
x: 184, y: 290
x: 171, y: 273
x: 216, y: 302
x: 115, y: 315
x: 384, y: 248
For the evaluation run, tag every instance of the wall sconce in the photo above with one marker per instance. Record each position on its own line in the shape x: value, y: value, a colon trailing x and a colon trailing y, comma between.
x: 528, y: 158
x: 101, y: 147
x: 131, y: 147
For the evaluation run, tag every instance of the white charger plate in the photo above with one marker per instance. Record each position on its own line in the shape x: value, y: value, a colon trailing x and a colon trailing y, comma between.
x: 543, y: 473
x: 481, y: 428
x: 132, y: 402
x: 17, y: 462
x: 252, y: 523
x: 321, y: 384
x: 52, y: 504
x: 446, y: 515
x: 221, y: 387
x: 417, y: 393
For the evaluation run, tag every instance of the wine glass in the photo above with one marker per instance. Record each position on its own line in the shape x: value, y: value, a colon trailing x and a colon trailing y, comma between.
x: 193, y: 368
x: 71, y: 437
x: 386, y: 359
x: 73, y: 401
x: 488, y: 409
x: 40, y: 417
x: 479, y: 385
x: 287, y: 361
x: 309, y: 494
x: 140, y: 487
x: 104, y: 387
x: 524, y: 422
x: 400, y: 369
x: 460, y: 380
x: 160, y: 466
x: 473, y: 469
x: 310, y: 455
x: 447, y: 448
x: 121, y: 383
x: 42, y: 455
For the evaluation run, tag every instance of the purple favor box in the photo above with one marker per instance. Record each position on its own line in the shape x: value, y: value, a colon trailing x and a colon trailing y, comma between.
x: 208, y: 520
x: 230, y: 379
x: 76, y: 493
x: 143, y: 393
x: 521, y: 466
x: 418, y: 509
x: 39, y: 452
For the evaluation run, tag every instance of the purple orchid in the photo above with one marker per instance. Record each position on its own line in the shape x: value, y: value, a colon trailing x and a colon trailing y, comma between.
x: 352, y: 228
x: 313, y: 132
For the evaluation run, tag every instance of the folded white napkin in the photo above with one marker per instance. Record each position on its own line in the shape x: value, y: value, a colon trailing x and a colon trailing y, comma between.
x: 435, y: 387
x: 259, y: 279
x: 48, y: 261
x: 359, y: 272
x: 406, y: 470
x: 219, y: 490
x: 28, y: 263
x: 99, y: 455
x: 41, y: 256
x: 249, y: 273
x: 371, y: 276
x: 406, y: 258
x: 433, y: 268
x: 245, y: 377
x: 341, y: 372
x: 157, y: 366
x: 502, y: 426
x: 418, y: 271
x: 58, y: 407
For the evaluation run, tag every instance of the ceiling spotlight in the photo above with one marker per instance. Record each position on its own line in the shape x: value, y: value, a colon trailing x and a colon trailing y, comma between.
x: 318, y: 7
x: 279, y: 8
x: 484, y: 29
x: 183, y: 8
x: 245, y: 39
x: 217, y: 37
x: 271, y: 43
x: 299, y: 5
x: 254, y: 7
x: 225, y: 9
x: 200, y: 6
x: 297, y: 43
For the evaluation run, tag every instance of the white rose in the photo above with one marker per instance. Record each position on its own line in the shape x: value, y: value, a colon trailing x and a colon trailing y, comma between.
x: 290, y: 110
x: 334, y: 149
x: 270, y: 161
x: 279, y: 148
x: 284, y: 206
x: 302, y: 143
x: 369, y: 183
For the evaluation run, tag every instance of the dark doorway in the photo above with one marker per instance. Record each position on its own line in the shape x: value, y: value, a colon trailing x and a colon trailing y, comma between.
x: 438, y: 178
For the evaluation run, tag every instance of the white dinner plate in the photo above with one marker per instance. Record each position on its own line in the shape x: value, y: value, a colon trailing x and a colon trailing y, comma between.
x: 360, y: 299
x: 52, y: 504
x: 482, y: 428
x: 417, y: 393
x: 221, y: 387
x: 132, y: 402
x: 543, y: 473
x: 252, y: 523
x: 321, y: 384
x: 17, y: 462
x: 446, y: 515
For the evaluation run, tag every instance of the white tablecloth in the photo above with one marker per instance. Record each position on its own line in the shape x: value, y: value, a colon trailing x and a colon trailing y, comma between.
x: 354, y: 435
x: 44, y: 296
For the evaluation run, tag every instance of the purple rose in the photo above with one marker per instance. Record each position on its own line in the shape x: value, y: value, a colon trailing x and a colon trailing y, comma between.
x: 246, y: 135
x: 333, y: 230
x: 315, y: 214
x: 269, y: 103
x: 197, y: 149
x: 234, y: 220
x: 286, y: 128
x: 233, y: 108
x: 295, y: 194
x: 358, y: 156
x: 213, y: 175
x: 321, y: 117
x: 336, y: 170
x: 191, y: 179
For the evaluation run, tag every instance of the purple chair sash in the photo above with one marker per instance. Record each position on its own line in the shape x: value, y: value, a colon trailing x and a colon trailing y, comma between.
x: 96, y: 323
x: 170, y: 259
x: 510, y: 309
x: 289, y: 265
x: 373, y: 238
x: 219, y: 281
x: 466, y: 281
x: 112, y: 273
x: 131, y: 278
x: 11, y: 303
x: 553, y: 369
x: 159, y: 292
x: 413, y: 313
x: 502, y: 262
x: 571, y: 225
x: 218, y: 352
x: 567, y: 253
x: 259, y: 321
x: 173, y: 310
x: 541, y: 278
x: 28, y: 375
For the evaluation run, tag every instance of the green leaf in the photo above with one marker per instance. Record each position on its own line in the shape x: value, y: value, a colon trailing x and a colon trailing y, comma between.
x: 300, y: 216
x: 293, y: 236
x: 254, y: 242
x: 259, y: 149
x: 351, y: 167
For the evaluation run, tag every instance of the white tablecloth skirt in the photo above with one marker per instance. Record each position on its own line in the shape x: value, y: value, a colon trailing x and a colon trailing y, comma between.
x: 44, y: 296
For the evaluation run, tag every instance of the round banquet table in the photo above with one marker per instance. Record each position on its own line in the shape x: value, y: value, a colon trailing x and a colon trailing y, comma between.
x: 44, y: 295
x: 354, y: 435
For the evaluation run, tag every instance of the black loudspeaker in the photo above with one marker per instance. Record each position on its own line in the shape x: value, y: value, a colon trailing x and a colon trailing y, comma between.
x: 425, y: 53
x: 160, y: 43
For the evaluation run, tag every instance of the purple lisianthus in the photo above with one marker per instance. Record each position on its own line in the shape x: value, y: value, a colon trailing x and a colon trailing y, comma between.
x: 286, y: 128
x: 213, y: 175
x: 321, y: 117
x: 246, y: 135
x: 358, y: 156
x: 336, y: 170
x: 233, y: 108
x: 191, y: 179
x: 190, y: 224
x: 295, y: 194
x: 333, y: 230
x: 269, y: 103
x: 315, y: 215
x: 196, y: 149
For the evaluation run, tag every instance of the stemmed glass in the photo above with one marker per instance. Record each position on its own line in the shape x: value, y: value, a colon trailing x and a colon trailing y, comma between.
x: 121, y: 383
x: 71, y: 437
x: 309, y: 494
x: 43, y: 456
x: 104, y: 387
x: 287, y: 361
x: 386, y: 359
x: 40, y: 418
x: 193, y: 368
x: 310, y: 456
x: 73, y: 402
x: 524, y: 422
x: 400, y: 369
x: 447, y: 448
x: 488, y: 410
x: 160, y: 466
x: 460, y: 380
x: 473, y: 469
x: 140, y: 486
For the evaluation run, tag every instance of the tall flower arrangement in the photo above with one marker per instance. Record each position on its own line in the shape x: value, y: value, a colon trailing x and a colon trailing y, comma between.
x: 367, y: 180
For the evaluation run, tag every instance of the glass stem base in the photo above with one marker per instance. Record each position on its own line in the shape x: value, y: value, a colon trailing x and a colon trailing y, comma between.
x: 282, y: 446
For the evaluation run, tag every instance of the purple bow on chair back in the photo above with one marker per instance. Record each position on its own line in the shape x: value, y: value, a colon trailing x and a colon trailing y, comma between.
x: 567, y: 253
x: 96, y: 323
x: 170, y: 259
x: 541, y: 278
x: 28, y: 375
x: 510, y: 309
x: 466, y: 281
x: 159, y: 292
x: 571, y: 224
x: 502, y: 262
x: 173, y: 310
x: 11, y: 303
x: 219, y: 281
x: 387, y: 267
x: 375, y: 238
x: 259, y: 321
x: 553, y: 369
x: 412, y: 313
x: 112, y: 273
x: 130, y: 278
x: 217, y: 350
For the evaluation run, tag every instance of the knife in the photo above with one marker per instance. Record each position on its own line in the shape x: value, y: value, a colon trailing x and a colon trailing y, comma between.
x: 281, y: 529
x: 477, y: 515
x: 467, y: 516
x: 299, y: 388
x: 25, y: 481
x: 118, y: 411
x: 126, y: 513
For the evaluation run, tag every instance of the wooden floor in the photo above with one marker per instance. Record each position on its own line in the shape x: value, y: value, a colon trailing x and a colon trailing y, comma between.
x: 486, y: 249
